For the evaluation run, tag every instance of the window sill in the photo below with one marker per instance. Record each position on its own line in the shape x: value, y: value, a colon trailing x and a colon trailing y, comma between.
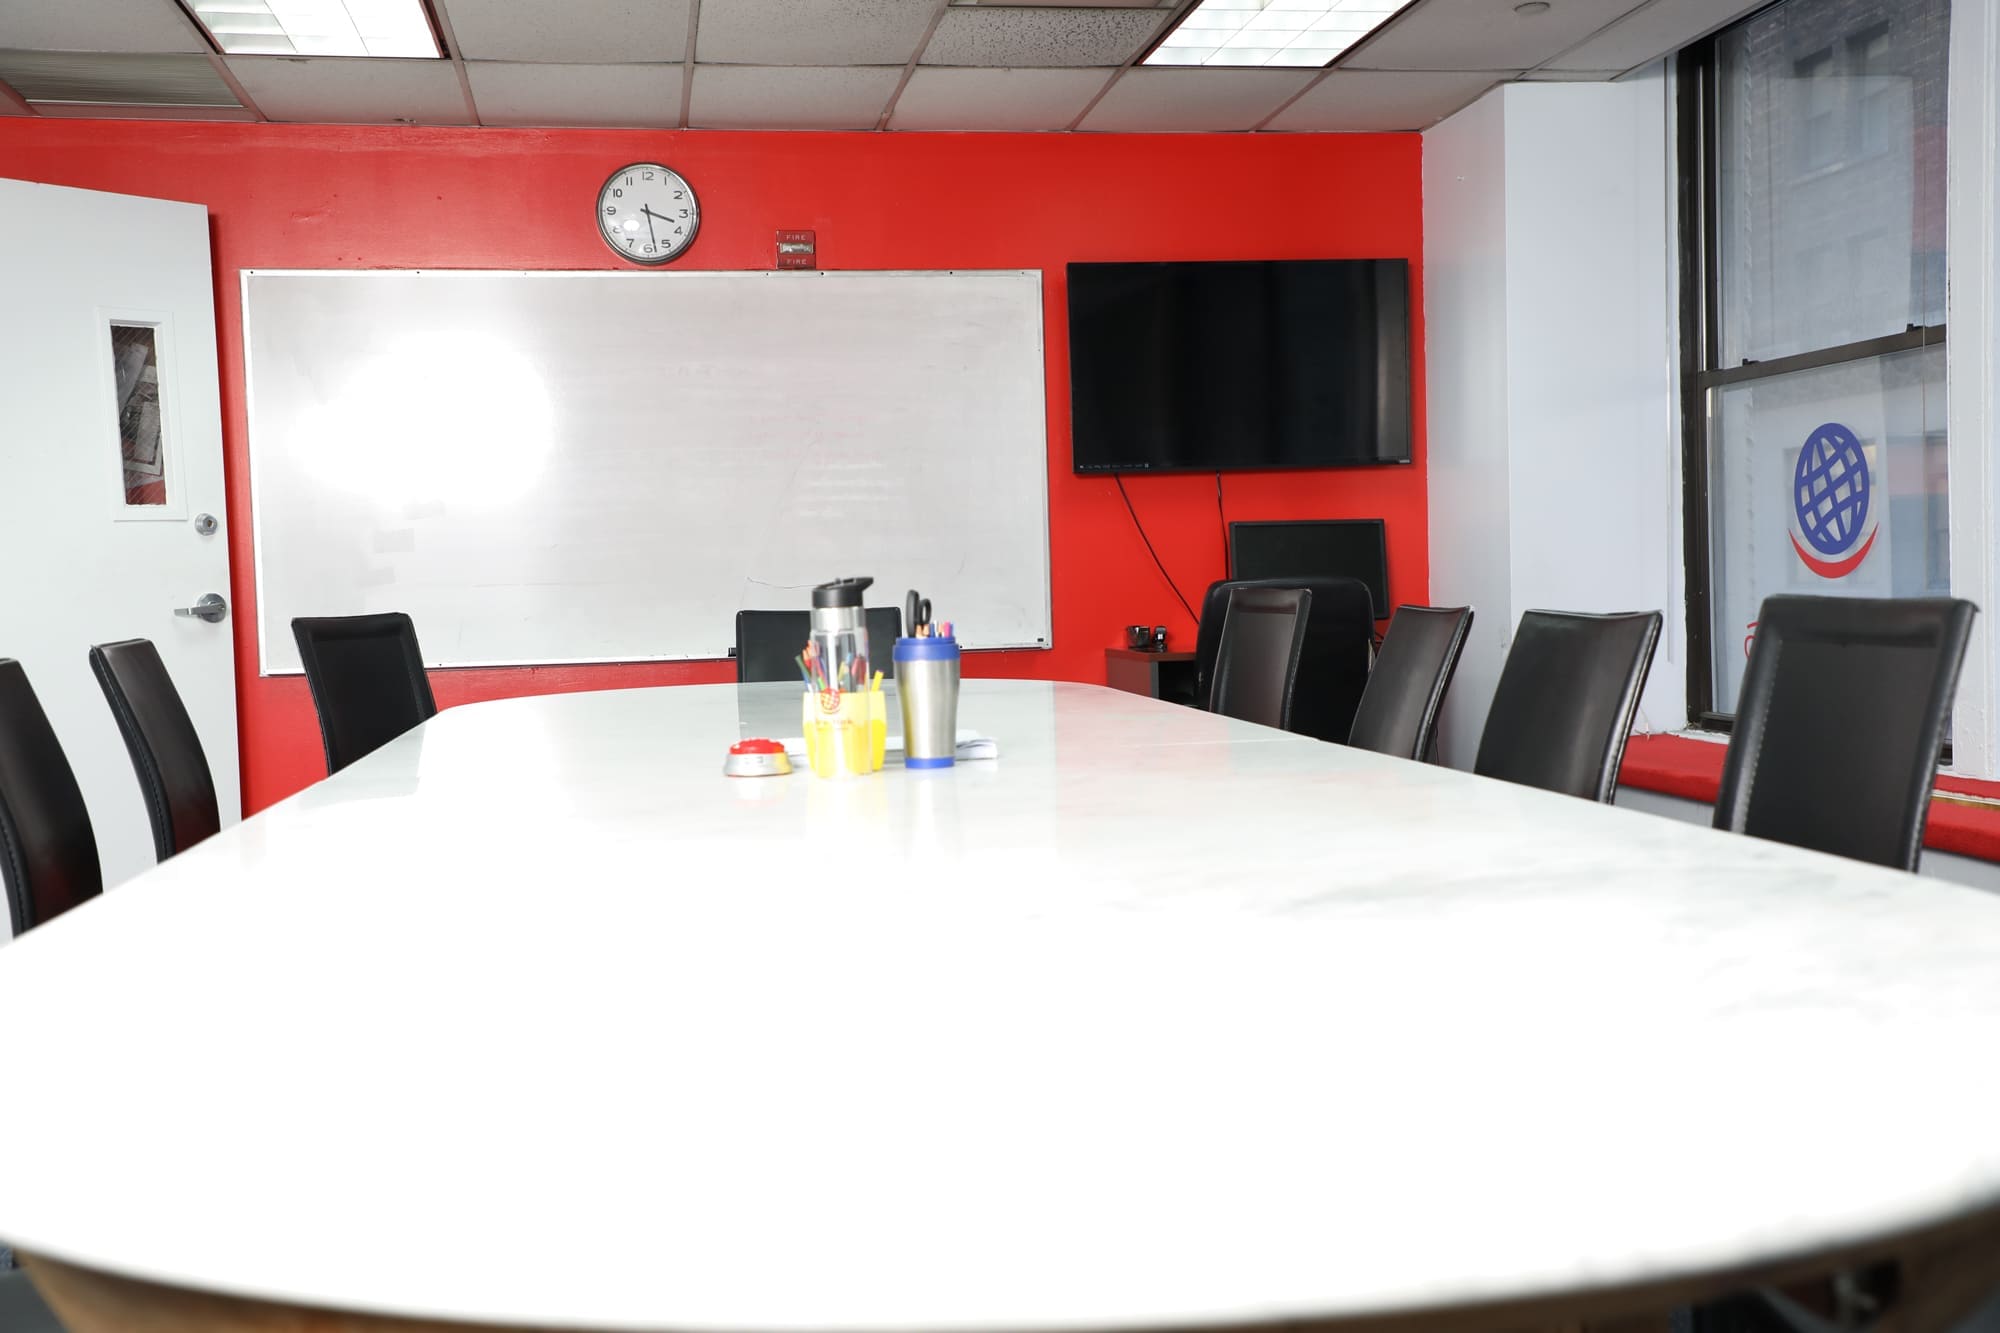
x: 1965, y: 812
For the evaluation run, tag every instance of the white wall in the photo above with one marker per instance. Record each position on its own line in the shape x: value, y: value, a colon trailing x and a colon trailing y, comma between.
x: 1465, y: 351
x: 1554, y: 448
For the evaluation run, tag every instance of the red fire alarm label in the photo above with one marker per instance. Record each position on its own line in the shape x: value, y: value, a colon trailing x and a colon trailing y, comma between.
x: 797, y: 249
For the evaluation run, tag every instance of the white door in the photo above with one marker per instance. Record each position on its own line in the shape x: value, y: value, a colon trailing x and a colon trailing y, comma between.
x: 110, y: 476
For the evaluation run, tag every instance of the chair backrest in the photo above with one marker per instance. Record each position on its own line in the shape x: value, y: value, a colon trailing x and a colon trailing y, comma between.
x: 1333, y: 666
x: 166, y: 752
x: 767, y: 641
x: 1839, y: 723
x: 1257, y: 664
x: 1399, y: 709
x: 1565, y: 701
x: 48, y: 855
x: 367, y: 679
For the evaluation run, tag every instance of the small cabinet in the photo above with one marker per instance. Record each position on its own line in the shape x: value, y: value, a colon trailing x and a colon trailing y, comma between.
x: 1168, y: 676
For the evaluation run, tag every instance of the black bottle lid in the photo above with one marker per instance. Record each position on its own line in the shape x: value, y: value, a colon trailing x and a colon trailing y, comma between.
x: 840, y: 592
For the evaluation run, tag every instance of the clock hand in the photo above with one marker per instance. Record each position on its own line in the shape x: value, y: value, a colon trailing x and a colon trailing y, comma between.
x: 649, y: 225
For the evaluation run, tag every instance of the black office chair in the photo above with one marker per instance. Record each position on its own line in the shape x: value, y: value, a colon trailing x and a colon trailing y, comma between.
x: 1840, y: 721
x: 1565, y: 701
x: 767, y: 641
x: 48, y: 855
x: 1399, y: 709
x: 367, y: 680
x: 1257, y: 665
x: 166, y: 752
x: 1333, y: 665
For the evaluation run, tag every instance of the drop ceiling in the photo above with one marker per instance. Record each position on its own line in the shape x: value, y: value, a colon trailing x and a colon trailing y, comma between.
x: 823, y: 65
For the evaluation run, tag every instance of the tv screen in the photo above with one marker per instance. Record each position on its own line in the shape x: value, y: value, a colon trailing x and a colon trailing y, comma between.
x: 1355, y: 548
x: 1231, y: 365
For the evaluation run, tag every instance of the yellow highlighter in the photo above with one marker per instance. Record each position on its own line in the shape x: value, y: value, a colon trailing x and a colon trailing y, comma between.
x: 878, y: 725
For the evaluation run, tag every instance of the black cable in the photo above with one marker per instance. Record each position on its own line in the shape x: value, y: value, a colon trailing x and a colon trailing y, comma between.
x: 1149, y: 547
x: 1223, y: 519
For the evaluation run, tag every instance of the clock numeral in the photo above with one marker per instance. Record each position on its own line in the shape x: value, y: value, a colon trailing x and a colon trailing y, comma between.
x: 649, y: 249
x: 679, y: 230
x: 628, y: 180
x: 649, y: 175
x: 684, y: 212
x: 680, y: 194
x: 610, y: 208
x: 617, y: 193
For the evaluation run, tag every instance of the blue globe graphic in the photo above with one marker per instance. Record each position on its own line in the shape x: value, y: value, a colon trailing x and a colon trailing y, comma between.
x: 1831, y: 490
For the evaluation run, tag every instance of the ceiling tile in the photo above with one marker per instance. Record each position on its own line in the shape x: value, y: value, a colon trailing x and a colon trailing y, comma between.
x: 636, y: 95
x: 1650, y: 32
x: 1041, y: 38
x: 1355, y: 101
x: 342, y: 90
x: 811, y: 32
x: 752, y: 97
x: 98, y: 25
x: 1481, y: 34
x: 72, y: 76
x: 995, y: 99
x: 578, y: 31
x: 1194, y: 99
x: 1072, y: 4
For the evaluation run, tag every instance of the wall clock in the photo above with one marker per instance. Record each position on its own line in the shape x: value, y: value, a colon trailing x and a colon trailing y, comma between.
x: 647, y: 213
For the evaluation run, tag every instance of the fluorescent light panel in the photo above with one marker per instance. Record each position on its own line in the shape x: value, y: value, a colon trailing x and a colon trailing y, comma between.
x: 319, y: 27
x: 1271, y: 33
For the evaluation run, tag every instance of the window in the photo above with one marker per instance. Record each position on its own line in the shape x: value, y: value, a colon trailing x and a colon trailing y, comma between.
x: 1813, y: 328
x: 135, y: 373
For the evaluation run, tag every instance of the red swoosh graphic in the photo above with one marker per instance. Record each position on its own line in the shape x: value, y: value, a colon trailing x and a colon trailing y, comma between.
x: 1833, y: 569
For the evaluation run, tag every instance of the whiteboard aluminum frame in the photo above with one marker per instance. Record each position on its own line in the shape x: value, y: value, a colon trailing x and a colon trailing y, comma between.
x: 245, y: 276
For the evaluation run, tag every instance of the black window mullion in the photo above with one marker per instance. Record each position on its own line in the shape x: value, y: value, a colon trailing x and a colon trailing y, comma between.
x: 1913, y: 339
x: 1699, y: 348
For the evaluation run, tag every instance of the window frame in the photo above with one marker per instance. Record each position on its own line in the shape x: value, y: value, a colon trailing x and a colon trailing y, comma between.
x: 1701, y: 371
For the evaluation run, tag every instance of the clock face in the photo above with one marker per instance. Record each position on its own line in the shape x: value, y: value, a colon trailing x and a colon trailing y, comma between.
x: 647, y: 213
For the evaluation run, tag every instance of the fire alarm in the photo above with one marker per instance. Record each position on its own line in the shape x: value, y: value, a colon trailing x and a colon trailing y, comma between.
x: 796, y: 249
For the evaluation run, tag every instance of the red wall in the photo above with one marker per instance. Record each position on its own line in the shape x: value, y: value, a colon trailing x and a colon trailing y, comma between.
x: 397, y: 197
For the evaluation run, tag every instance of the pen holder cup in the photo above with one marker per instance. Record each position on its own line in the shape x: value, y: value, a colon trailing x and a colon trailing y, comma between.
x: 927, y: 683
x: 846, y: 732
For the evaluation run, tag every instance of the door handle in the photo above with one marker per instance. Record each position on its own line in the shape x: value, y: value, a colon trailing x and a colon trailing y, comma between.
x: 209, y: 606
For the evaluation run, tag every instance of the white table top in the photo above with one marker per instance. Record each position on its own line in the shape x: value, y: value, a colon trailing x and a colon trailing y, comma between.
x: 1160, y: 1019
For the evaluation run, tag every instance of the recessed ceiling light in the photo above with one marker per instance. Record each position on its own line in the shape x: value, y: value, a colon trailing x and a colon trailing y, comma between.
x: 319, y: 27
x: 1270, y: 32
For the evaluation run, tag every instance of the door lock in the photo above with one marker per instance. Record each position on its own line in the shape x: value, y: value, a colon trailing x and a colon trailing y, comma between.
x: 209, y: 606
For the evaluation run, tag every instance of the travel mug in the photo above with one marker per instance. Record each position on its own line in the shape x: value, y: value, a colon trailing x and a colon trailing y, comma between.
x: 927, y: 680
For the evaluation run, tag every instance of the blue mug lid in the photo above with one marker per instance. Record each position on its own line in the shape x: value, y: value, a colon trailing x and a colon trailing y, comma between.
x: 926, y: 650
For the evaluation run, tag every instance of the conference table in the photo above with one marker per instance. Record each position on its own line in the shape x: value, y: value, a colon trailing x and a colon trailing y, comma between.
x: 533, y: 1018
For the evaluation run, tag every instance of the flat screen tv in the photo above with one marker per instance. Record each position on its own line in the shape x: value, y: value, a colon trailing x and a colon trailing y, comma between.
x: 1224, y: 366
x: 1355, y: 548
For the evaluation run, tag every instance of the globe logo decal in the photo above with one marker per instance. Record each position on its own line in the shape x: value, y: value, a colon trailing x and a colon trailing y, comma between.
x: 1832, y: 503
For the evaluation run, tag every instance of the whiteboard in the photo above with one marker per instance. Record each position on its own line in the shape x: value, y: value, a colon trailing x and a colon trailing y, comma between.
x: 594, y: 467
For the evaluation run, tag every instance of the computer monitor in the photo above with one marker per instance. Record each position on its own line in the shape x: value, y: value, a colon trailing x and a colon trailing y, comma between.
x: 1355, y: 548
